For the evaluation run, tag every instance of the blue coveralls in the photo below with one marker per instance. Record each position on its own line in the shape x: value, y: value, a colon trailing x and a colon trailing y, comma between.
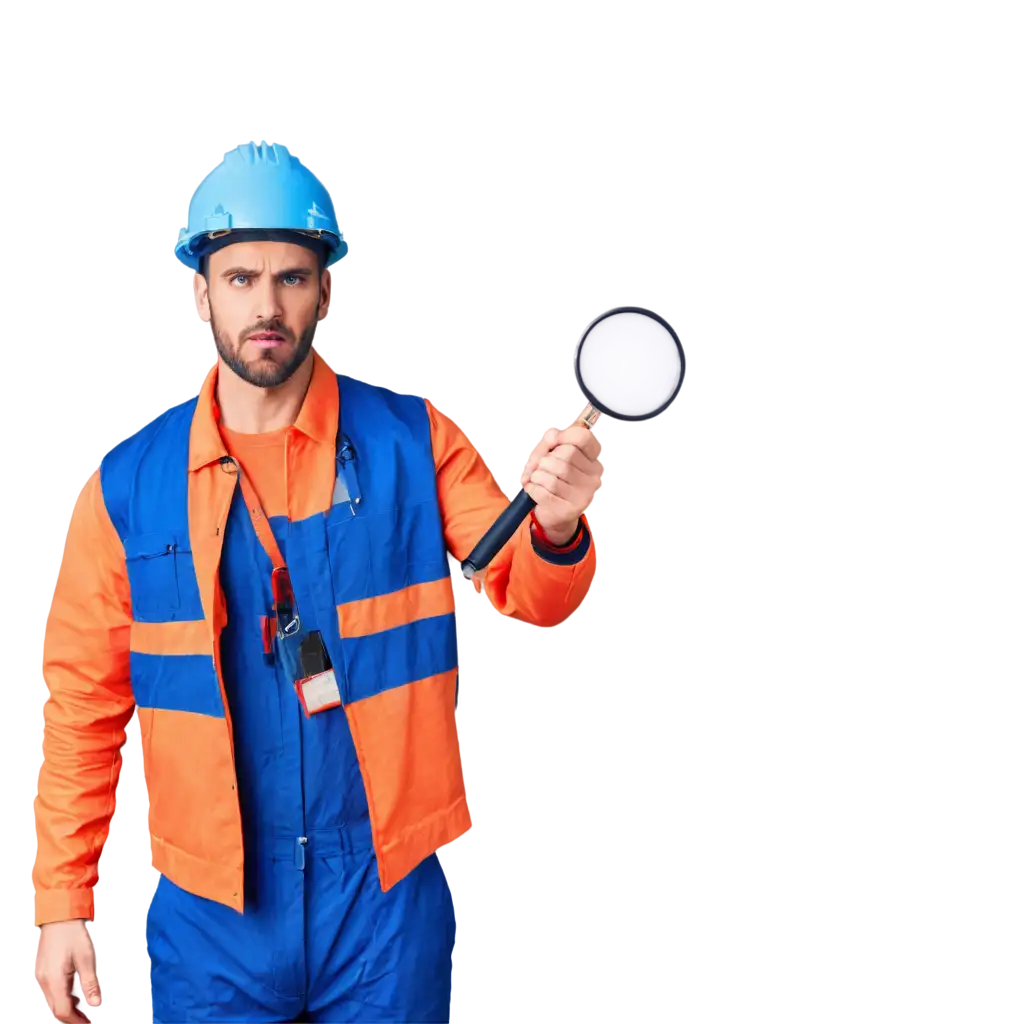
x: 318, y: 939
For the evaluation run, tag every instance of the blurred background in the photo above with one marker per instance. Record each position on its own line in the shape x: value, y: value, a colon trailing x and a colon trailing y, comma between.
x: 771, y: 769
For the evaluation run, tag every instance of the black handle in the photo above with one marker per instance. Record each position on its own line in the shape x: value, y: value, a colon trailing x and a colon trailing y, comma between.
x: 499, y: 534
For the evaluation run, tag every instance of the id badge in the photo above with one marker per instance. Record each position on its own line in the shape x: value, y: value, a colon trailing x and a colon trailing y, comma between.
x: 317, y: 688
x: 318, y: 693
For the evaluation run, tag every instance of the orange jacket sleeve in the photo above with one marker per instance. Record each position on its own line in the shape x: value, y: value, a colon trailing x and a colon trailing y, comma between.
x: 520, y: 581
x: 86, y: 668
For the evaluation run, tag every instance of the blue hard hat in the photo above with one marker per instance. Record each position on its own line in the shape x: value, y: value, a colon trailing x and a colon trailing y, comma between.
x: 259, y: 188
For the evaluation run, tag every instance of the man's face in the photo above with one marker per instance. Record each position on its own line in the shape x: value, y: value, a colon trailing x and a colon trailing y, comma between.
x: 262, y: 301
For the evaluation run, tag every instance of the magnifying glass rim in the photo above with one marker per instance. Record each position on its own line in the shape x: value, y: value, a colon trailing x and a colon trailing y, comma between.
x: 632, y: 304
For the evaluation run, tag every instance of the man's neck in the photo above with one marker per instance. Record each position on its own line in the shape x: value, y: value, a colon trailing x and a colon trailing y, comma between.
x: 249, y: 409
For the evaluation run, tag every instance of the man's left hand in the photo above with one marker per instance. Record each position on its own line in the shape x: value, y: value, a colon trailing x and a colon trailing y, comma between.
x: 562, y: 475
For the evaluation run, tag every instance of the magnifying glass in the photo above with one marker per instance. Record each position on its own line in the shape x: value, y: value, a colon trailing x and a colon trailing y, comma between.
x: 630, y: 365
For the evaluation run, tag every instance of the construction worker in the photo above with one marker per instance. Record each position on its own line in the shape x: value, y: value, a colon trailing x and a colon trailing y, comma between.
x: 262, y: 571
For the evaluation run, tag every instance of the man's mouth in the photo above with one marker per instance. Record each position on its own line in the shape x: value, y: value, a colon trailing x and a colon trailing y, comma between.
x: 267, y: 339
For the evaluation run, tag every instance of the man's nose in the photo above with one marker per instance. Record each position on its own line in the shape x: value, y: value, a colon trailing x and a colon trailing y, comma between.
x: 267, y: 299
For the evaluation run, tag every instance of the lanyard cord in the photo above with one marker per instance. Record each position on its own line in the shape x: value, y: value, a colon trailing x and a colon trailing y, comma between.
x: 280, y: 581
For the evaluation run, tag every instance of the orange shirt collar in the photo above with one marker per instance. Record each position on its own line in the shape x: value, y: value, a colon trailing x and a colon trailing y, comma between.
x: 317, y: 419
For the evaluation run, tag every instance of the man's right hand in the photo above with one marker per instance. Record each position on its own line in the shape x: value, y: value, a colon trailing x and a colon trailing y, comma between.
x: 64, y: 948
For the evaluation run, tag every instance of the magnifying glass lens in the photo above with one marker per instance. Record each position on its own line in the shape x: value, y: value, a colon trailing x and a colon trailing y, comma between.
x: 630, y: 363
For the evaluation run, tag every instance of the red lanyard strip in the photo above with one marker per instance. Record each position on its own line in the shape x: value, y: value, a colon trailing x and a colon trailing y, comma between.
x: 280, y: 582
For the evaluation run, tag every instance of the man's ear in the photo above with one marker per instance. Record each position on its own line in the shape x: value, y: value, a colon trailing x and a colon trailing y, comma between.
x: 202, y: 293
x: 327, y: 283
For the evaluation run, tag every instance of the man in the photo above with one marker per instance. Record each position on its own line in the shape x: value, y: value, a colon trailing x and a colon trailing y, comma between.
x: 263, y: 572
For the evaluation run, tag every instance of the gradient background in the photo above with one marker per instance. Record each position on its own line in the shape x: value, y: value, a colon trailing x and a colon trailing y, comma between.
x: 774, y: 770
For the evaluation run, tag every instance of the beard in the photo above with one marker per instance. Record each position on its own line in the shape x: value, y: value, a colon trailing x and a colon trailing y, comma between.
x: 265, y: 371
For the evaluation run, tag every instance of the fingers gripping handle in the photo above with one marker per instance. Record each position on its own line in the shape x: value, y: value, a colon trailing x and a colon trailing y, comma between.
x: 508, y: 522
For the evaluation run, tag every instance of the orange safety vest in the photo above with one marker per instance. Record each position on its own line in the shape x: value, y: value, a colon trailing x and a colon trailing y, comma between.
x: 381, y: 574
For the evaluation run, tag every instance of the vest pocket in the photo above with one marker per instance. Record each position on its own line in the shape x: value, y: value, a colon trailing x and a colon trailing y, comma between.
x: 152, y: 563
x: 382, y: 552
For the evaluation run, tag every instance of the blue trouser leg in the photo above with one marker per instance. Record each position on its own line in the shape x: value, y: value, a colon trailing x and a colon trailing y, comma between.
x: 378, y: 956
x: 318, y: 941
x: 210, y: 963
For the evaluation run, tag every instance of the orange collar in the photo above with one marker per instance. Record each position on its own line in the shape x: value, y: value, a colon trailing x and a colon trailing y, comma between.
x: 317, y: 419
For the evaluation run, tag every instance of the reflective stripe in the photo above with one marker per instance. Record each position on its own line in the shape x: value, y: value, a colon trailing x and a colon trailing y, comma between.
x: 190, y: 637
x: 375, y: 614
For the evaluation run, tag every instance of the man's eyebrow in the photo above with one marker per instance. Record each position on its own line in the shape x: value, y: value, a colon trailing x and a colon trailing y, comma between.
x: 288, y: 271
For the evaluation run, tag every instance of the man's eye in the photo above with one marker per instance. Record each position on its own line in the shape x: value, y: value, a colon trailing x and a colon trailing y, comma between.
x: 240, y: 279
x: 291, y: 279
